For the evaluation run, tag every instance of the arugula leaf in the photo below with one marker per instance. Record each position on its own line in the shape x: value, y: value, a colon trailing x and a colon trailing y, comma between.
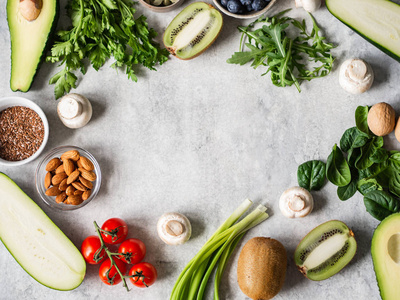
x: 284, y: 56
x: 103, y: 29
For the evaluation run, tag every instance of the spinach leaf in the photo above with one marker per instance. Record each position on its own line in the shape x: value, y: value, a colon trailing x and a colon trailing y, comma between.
x: 348, y: 191
x: 394, y: 183
x: 361, y: 118
x: 364, y: 186
x: 353, y: 138
x: 311, y: 175
x: 381, y: 204
x: 353, y: 155
x: 380, y: 155
x: 364, y: 160
x: 337, y: 169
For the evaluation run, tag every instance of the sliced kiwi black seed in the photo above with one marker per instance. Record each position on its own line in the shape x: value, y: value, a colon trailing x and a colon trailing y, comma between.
x: 325, y: 250
x: 193, y: 30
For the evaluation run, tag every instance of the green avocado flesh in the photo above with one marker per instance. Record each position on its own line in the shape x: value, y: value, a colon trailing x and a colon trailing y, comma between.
x: 35, y: 242
x: 28, y: 41
x: 385, y: 250
x: 325, y: 250
x: 378, y: 21
x: 193, y: 30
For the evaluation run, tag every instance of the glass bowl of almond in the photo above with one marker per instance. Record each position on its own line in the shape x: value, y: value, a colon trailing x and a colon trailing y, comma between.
x: 68, y: 178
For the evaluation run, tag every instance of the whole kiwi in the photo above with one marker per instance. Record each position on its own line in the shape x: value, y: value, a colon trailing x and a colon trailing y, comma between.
x: 262, y: 268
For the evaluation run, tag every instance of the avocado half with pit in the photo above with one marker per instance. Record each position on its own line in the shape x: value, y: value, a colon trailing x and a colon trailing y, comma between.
x: 29, y: 38
x: 193, y: 30
x: 35, y: 242
x: 385, y: 250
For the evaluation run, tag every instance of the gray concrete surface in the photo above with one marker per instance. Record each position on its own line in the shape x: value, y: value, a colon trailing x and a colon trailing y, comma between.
x: 198, y: 137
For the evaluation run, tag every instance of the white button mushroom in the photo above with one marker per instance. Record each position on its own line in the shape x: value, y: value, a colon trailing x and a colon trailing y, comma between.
x: 74, y: 110
x: 174, y: 228
x: 356, y: 76
x: 296, y: 202
x: 308, y: 5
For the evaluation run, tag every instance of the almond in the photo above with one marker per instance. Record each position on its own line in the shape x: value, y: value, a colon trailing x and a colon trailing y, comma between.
x: 74, y: 176
x: 53, y: 191
x: 86, y: 182
x: 79, y: 164
x: 47, y: 180
x: 91, y: 176
x: 71, y: 154
x: 60, y: 169
x: 74, y: 200
x: 61, y: 197
x: 69, y: 166
x: 70, y: 190
x: 56, y: 180
x: 63, y: 185
x: 53, y: 164
x: 86, y: 163
x: 86, y: 195
x: 78, y: 192
x: 79, y: 186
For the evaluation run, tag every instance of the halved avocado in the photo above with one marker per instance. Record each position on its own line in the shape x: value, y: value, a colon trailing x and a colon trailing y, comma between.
x: 35, y: 242
x: 28, y: 41
x: 385, y: 250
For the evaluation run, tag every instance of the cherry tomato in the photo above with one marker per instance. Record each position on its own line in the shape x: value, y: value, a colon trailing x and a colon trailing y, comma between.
x: 144, y: 274
x: 133, y: 251
x: 109, y: 274
x: 116, y: 229
x: 90, y: 250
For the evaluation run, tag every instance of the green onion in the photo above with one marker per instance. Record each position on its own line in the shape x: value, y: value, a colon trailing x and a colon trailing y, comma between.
x: 215, y: 253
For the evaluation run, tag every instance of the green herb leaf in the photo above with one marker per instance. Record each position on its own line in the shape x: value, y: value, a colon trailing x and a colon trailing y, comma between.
x: 337, y: 169
x: 311, y: 175
x: 284, y: 56
x: 346, y: 192
x: 364, y: 186
x: 381, y: 204
x: 361, y: 118
x: 102, y: 30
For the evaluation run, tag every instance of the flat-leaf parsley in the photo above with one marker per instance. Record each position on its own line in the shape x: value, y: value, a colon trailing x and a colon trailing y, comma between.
x: 102, y: 29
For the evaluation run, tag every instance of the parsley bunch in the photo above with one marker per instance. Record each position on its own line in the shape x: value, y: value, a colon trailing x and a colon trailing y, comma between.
x: 271, y: 46
x: 101, y: 29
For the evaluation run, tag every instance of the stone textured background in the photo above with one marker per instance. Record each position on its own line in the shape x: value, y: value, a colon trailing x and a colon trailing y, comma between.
x: 199, y: 137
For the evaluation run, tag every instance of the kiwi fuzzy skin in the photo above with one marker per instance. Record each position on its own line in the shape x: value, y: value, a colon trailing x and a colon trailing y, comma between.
x: 262, y: 268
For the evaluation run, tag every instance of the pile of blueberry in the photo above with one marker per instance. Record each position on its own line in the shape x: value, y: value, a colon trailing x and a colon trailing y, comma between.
x: 244, y: 6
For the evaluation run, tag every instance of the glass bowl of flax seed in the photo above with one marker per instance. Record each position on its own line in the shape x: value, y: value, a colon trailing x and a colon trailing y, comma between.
x: 24, y: 131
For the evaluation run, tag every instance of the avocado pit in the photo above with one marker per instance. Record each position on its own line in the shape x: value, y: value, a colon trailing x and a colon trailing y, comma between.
x: 30, y: 9
x: 393, y: 246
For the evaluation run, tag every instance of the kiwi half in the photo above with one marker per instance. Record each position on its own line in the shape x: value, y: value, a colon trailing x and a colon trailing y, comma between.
x: 193, y: 30
x: 326, y: 250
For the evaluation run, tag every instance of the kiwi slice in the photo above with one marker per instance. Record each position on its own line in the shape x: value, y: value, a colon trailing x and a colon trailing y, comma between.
x: 326, y: 250
x: 193, y: 30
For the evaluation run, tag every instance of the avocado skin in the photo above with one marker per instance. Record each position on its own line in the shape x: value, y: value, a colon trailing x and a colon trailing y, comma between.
x: 47, y: 47
x: 387, y: 272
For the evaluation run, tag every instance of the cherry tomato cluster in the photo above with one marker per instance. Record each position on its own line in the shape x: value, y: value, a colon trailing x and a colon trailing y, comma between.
x: 114, y: 265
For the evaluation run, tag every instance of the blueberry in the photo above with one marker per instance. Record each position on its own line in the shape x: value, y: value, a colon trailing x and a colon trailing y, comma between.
x: 246, y: 2
x: 249, y: 7
x: 234, y: 6
x: 224, y: 2
x: 259, y: 4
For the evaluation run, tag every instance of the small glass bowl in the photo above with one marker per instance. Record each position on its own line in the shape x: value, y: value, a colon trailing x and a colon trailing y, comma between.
x: 41, y: 173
